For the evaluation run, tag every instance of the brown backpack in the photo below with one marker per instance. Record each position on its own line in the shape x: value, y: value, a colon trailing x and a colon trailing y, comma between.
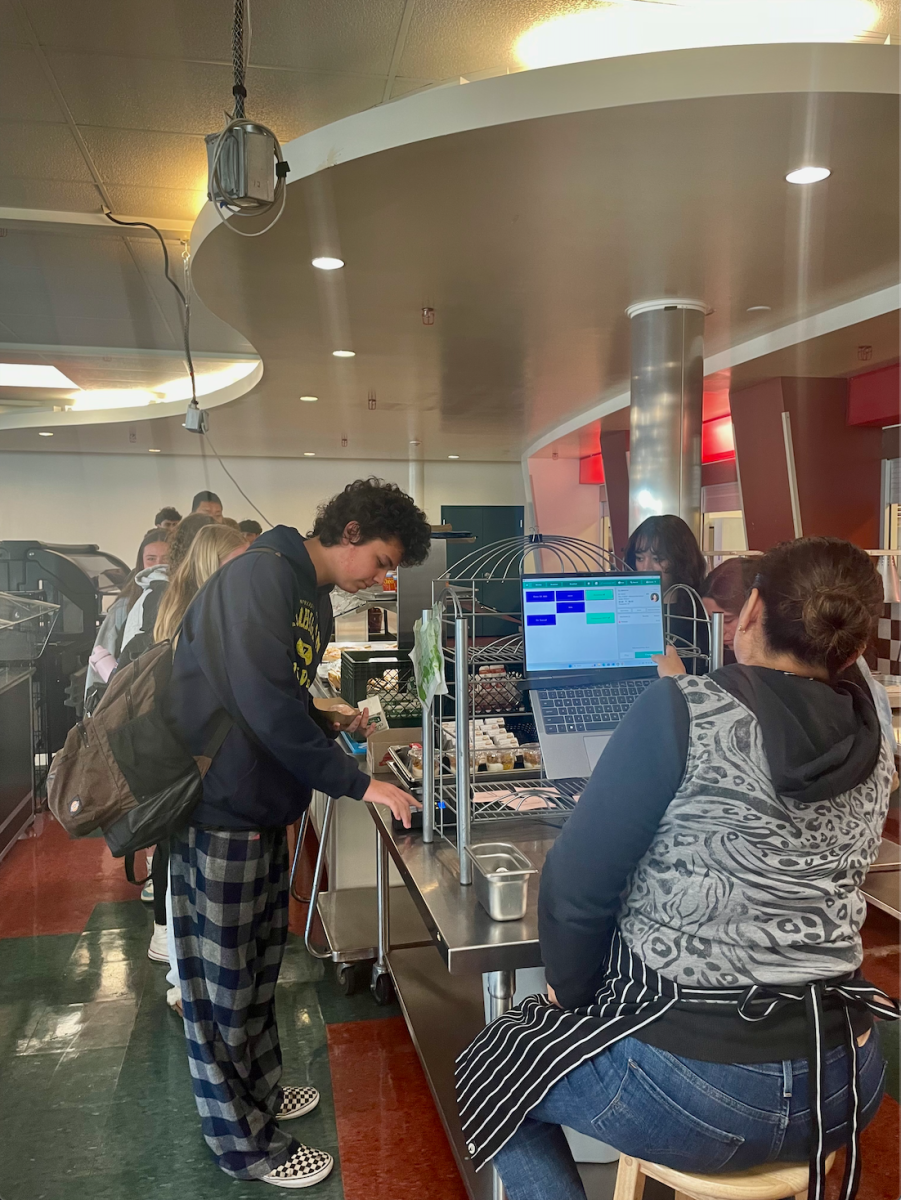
x: 122, y: 769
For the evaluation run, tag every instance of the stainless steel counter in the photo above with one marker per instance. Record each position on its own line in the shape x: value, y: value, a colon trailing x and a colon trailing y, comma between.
x: 469, y: 941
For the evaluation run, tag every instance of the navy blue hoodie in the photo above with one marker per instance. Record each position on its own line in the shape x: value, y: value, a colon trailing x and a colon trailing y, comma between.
x: 250, y: 644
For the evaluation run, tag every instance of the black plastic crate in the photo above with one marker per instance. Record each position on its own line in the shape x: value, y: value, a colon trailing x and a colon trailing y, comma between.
x: 390, y: 677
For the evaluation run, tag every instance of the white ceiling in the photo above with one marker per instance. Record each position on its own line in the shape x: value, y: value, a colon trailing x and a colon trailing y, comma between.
x: 105, y: 99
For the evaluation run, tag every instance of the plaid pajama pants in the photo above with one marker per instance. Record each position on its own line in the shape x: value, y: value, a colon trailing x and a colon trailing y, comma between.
x: 230, y: 915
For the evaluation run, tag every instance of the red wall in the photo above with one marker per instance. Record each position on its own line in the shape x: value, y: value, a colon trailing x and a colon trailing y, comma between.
x: 838, y: 466
x: 874, y: 398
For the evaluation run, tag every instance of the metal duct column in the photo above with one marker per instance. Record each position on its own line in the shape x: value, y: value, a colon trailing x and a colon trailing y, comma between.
x: 667, y: 409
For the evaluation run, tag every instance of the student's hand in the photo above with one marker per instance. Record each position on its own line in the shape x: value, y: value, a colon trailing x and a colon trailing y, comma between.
x: 359, y: 727
x: 669, y: 663
x: 552, y: 996
x: 399, y: 802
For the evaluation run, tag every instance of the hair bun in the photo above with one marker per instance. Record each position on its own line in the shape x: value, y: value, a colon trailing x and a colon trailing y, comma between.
x: 822, y: 597
x: 836, y: 622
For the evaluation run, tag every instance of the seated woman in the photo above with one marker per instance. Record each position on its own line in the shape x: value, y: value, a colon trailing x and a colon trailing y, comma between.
x: 700, y: 916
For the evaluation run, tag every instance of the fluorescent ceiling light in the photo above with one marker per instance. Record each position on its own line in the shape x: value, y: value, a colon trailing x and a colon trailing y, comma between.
x: 324, y: 263
x: 37, y: 375
x: 44, y: 433
x: 760, y: 308
x: 309, y: 453
x: 624, y: 27
x: 309, y: 399
x: 98, y: 398
x: 453, y: 456
x: 209, y: 381
x: 153, y: 450
x: 343, y: 354
x: 808, y: 175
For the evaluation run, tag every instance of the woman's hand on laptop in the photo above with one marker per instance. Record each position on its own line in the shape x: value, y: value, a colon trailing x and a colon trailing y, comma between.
x: 669, y: 663
x: 392, y: 797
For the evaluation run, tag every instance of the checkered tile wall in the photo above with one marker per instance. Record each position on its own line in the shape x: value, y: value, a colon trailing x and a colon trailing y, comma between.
x: 888, y: 641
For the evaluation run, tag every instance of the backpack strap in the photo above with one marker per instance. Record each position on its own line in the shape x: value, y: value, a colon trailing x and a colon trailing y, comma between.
x: 130, y: 871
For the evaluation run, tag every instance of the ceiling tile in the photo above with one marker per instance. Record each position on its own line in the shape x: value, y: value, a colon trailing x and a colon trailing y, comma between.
x: 141, y: 157
x: 321, y: 35
x: 316, y: 35
x: 453, y: 37
x: 25, y: 94
x: 404, y: 87
x: 164, y: 28
x: 32, y: 151
x: 145, y: 329
x: 56, y: 194
x: 172, y: 204
x: 191, y: 98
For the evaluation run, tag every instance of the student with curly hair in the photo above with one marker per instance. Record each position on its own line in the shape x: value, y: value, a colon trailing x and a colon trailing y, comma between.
x: 249, y: 647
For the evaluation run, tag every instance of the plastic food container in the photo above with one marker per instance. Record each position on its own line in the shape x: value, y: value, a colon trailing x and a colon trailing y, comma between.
x: 414, y: 761
x: 531, y: 756
x: 500, y: 879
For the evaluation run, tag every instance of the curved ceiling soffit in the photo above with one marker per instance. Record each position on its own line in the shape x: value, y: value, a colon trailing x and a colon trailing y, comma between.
x: 660, y: 77
x: 45, y: 419
x: 580, y: 87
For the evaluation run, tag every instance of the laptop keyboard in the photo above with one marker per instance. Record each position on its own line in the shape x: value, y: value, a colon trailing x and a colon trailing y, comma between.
x: 589, y: 709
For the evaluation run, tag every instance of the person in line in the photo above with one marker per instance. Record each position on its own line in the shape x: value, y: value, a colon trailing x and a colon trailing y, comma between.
x: 213, y: 546
x: 700, y: 913
x: 167, y: 518
x: 251, y: 530
x: 666, y: 544
x: 209, y: 504
x: 725, y: 590
x: 250, y: 645
x: 152, y: 554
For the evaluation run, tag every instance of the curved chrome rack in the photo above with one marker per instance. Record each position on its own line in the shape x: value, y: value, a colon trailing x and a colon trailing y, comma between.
x: 696, y: 645
x: 506, y: 560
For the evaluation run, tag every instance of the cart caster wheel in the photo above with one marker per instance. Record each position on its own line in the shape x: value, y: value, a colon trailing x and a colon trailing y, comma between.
x: 348, y: 979
x: 382, y: 989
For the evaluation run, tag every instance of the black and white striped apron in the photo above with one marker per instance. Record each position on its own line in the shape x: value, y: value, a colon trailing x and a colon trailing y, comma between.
x: 517, y: 1059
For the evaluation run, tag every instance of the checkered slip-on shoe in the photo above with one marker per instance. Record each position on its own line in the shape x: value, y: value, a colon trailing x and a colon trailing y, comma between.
x: 297, y: 1102
x: 305, y: 1167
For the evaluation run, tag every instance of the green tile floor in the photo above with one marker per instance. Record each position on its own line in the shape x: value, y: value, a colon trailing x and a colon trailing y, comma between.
x: 95, y: 1095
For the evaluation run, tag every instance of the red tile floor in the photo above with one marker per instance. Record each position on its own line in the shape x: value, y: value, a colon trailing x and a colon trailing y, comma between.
x: 50, y: 885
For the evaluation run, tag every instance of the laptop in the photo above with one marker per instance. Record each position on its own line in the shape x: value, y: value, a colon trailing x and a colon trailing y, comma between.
x: 589, y: 646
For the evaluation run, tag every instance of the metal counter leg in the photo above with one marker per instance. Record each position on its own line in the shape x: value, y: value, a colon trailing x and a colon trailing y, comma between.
x: 382, y: 987
x: 318, y: 951
x: 501, y: 986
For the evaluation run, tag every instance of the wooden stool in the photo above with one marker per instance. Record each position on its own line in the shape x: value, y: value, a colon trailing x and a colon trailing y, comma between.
x: 774, y: 1181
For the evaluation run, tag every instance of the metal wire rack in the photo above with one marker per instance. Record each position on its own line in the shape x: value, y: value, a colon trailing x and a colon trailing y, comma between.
x: 508, y: 559
x: 500, y: 801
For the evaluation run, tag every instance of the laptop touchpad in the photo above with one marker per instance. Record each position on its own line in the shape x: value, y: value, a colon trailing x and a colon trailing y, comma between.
x: 594, y: 748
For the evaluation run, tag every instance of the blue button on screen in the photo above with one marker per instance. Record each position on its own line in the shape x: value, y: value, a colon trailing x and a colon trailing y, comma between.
x: 572, y: 595
x: 542, y: 597
x: 541, y: 619
x: 571, y: 606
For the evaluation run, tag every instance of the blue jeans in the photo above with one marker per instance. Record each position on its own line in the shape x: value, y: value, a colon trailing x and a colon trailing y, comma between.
x: 694, y: 1116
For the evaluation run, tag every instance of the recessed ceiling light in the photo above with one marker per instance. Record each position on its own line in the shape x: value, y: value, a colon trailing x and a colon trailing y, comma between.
x: 309, y: 399
x: 309, y: 453
x: 325, y: 263
x: 153, y: 450
x: 760, y: 308
x: 33, y: 375
x: 343, y: 354
x: 808, y: 175
x: 44, y: 433
x: 415, y: 443
x: 453, y: 456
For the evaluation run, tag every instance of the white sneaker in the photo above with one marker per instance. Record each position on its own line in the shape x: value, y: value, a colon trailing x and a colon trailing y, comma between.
x: 147, y: 892
x: 173, y: 999
x: 158, y: 950
x: 297, y: 1102
x: 305, y: 1167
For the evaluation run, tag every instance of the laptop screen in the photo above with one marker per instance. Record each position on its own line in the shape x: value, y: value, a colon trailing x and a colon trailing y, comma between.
x: 587, y: 622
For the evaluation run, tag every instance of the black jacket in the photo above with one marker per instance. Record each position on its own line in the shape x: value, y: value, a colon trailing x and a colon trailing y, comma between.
x: 250, y: 643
